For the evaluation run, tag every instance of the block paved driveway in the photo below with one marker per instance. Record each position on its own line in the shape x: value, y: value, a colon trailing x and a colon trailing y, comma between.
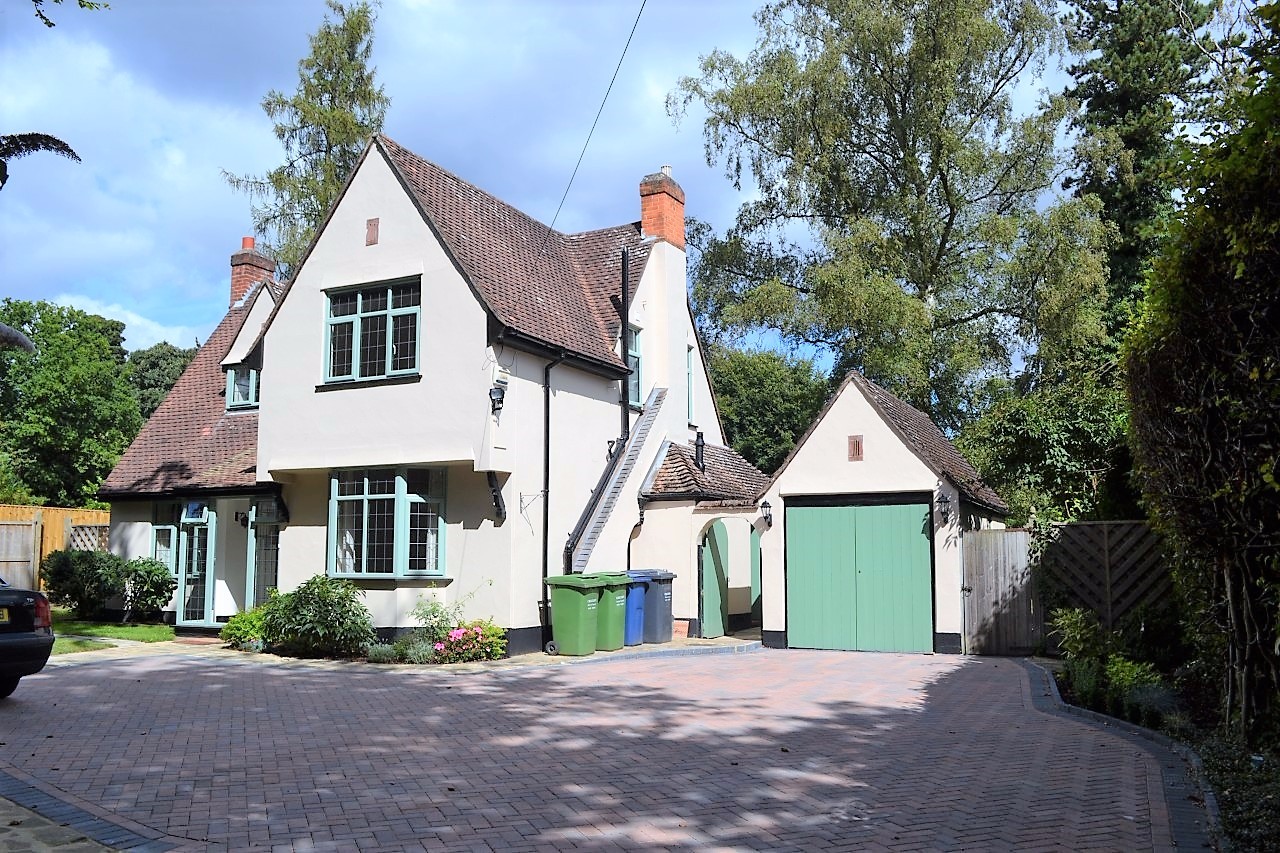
x: 791, y: 750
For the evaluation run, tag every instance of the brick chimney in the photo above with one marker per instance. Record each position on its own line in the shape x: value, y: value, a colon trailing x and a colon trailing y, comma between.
x: 662, y: 208
x: 248, y: 267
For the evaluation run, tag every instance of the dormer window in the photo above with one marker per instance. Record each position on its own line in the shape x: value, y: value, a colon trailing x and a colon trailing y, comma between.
x: 242, y: 387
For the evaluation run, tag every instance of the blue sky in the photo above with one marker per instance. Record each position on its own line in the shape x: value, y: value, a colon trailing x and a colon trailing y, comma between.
x: 158, y: 97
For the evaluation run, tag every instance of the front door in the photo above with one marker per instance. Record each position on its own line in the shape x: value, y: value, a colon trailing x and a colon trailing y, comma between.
x: 195, y: 559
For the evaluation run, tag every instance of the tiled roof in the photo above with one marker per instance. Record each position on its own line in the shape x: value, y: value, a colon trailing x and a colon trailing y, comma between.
x: 728, y: 477
x: 920, y: 434
x: 558, y: 289
x: 191, y: 443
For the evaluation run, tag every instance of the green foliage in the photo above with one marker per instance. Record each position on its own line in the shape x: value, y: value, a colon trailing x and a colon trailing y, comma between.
x: 886, y: 129
x: 1138, y: 75
x: 12, y: 489
x: 1126, y: 680
x: 323, y: 617
x: 382, y: 653
x: 247, y: 629
x: 154, y: 371
x: 766, y: 401
x: 68, y: 411
x: 1203, y: 370
x: 1247, y: 783
x: 471, y: 641
x: 416, y: 650
x: 324, y: 127
x: 1056, y: 452
x: 435, y: 618
x: 44, y: 18
x: 1079, y: 633
x: 148, y: 586
x: 83, y: 580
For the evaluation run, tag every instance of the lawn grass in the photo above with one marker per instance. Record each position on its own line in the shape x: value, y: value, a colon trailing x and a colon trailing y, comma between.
x: 66, y: 623
x: 65, y: 646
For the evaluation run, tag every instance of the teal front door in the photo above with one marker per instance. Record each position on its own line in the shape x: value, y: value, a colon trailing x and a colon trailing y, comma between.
x: 195, y: 562
x: 714, y: 609
x: 859, y: 577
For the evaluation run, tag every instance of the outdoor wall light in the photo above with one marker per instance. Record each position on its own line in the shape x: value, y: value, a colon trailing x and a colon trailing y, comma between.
x: 766, y: 509
x: 496, y: 396
x: 944, y: 507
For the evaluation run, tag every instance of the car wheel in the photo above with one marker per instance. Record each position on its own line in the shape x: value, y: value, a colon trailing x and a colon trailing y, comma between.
x: 7, y: 686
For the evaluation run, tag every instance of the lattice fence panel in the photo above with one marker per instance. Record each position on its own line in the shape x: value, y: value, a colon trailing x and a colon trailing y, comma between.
x: 88, y: 537
x: 1111, y: 567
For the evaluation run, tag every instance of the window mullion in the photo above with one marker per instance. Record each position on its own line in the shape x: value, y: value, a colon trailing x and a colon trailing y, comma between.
x: 400, y: 540
x: 332, y: 559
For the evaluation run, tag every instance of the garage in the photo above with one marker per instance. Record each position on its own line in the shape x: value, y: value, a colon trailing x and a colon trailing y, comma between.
x: 861, y: 530
x: 859, y: 577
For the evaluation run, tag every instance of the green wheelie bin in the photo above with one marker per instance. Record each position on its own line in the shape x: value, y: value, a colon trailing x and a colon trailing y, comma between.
x: 611, y: 617
x: 575, y: 601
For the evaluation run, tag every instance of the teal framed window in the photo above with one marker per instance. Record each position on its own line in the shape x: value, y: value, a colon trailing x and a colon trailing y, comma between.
x: 386, y: 522
x: 242, y: 387
x: 688, y: 381
x: 634, y: 384
x: 372, y: 332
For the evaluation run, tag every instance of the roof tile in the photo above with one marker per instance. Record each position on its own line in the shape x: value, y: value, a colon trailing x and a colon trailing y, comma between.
x: 728, y: 476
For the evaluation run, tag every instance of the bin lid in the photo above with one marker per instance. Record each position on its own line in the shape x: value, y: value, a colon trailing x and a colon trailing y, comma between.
x: 652, y: 574
x: 577, y: 581
x: 610, y: 578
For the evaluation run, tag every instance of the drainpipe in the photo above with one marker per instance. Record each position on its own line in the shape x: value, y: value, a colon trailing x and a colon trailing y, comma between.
x: 546, y: 487
x: 625, y: 311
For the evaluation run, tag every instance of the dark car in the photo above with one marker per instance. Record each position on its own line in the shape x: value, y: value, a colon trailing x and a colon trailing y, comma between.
x: 26, y: 635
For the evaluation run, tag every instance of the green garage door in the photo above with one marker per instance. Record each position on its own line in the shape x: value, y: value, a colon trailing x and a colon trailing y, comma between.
x: 859, y: 578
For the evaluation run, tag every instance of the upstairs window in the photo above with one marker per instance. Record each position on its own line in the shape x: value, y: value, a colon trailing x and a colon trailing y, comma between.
x: 688, y: 381
x: 242, y: 387
x: 372, y: 332
x: 633, y: 362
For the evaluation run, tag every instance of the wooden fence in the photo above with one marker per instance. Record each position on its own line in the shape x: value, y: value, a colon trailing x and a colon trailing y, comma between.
x: 1110, y: 567
x: 57, y: 529
x: 19, y: 545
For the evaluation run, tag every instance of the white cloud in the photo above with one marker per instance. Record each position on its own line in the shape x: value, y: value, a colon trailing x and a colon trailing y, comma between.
x: 139, y: 332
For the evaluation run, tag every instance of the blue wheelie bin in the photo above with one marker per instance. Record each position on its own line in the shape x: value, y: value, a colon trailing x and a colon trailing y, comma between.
x: 634, y: 633
x: 657, y: 604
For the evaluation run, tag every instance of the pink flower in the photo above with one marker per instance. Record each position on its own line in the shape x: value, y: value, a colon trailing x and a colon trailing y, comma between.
x: 457, y: 633
x: 439, y: 647
x: 479, y: 631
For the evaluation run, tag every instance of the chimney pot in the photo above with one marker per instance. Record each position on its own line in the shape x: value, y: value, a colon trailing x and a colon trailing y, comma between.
x: 246, y: 242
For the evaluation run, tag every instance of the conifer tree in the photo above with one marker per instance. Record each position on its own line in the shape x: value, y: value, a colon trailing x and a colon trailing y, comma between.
x: 323, y: 126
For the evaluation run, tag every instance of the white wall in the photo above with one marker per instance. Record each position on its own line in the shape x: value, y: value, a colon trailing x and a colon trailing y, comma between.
x: 130, y: 533
x: 443, y: 417
x: 822, y: 467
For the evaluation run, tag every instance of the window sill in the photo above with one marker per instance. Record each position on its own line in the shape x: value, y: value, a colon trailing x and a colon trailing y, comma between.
x: 635, y: 407
x: 379, y: 580
x: 370, y: 383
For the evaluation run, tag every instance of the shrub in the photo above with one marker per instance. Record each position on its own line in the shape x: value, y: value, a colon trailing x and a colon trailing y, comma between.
x: 246, y: 630
x: 322, y: 618
x: 436, y: 619
x: 477, y: 640
x: 418, y: 651
x: 83, y: 580
x: 382, y: 653
x: 148, y: 587
x: 1124, y: 678
x: 1079, y: 633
